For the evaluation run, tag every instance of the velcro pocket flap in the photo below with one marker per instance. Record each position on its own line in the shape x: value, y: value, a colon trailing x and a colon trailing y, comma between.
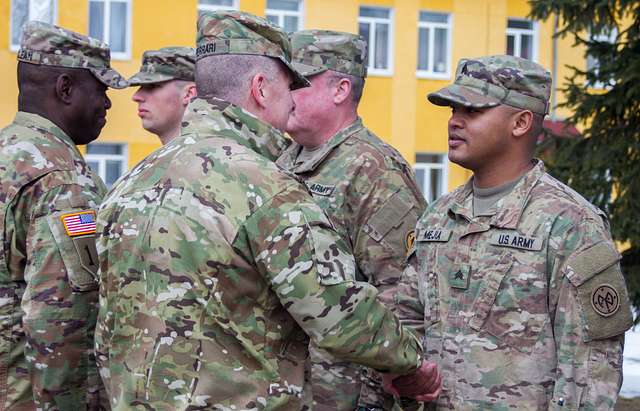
x: 389, y: 216
x: 602, y: 291
x: 75, y: 238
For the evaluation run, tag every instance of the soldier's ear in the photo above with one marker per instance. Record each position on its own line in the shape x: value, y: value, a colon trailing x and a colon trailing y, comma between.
x: 64, y: 88
x: 259, y: 90
x: 342, y: 91
x: 522, y: 123
x: 189, y: 92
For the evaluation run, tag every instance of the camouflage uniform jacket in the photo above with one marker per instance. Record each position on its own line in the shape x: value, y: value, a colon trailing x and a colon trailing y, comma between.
x: 369, y: 192
x: 215, y: 265
x: 525, y: 308
x: 48, y: 288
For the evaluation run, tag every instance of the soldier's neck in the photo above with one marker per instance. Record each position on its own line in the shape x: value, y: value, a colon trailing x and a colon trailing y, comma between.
x: 329, y: 130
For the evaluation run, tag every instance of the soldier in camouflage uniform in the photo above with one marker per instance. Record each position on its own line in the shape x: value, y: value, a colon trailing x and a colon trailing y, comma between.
x: 166, y: 86
x: 48, y: 200
x: 519, y: 286
x: 216, y: 266
x: 363, y: 184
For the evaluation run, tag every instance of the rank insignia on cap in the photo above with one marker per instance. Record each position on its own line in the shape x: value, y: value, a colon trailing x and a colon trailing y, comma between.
x: 76, y: 224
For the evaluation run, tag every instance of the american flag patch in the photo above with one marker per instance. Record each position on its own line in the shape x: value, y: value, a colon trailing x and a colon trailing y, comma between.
x: 79, y: 223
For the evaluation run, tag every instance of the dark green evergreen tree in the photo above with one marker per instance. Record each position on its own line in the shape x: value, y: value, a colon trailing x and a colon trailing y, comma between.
x: 603, y: 164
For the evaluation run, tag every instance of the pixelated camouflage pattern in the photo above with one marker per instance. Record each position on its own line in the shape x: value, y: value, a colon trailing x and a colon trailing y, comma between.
x: 315, y: 51
x: 369, y: 192
x: 48, y: 301
x: 236, y: 32
x: 485, y: 82
x: 49, y: 45
x: 513, y: 328
x: 167, y: 63
x: 215, y: 265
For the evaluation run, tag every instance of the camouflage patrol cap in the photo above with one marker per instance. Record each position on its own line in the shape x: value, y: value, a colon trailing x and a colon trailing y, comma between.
x: 49, y: 45
x: 316, y: 51
x: 235, y: 32
x: 493, y: 80
x: 168, y: 63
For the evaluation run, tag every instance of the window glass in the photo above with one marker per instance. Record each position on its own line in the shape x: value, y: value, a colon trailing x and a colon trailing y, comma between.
x: 364, y: 29
x: 96, y: 148
x: 423, y: 48
x: 374, y: 12
x: 23, y: 11
x: 520, y: 24
x: 382, y: 45
x: 118, y: 27
x: 431, y: 175
x: 290, y: 23
x: 289, y: 5
x: 227, y: 3
x: 511, y: 44
x: 440, y: 51
x: 96, y: 19
x: 430, y: 17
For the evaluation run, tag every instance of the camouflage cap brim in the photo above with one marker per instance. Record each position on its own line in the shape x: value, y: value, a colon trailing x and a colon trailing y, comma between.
x: 307, y: 70
x: 455, y: 94
x: 109, y: 77
x: 299, y: 80
x: 141, y: 78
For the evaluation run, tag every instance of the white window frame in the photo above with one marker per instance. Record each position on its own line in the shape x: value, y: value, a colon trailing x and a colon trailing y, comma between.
x: 602, y: 37
x: 518, y: 33
x: 430, y: 74
x: 16, y: 47
x: 282, y: 13
x: 106, y: 34
x: 213, y: 7
x: 372, y: 21
x: 102, y: 159
x: 427, y: 167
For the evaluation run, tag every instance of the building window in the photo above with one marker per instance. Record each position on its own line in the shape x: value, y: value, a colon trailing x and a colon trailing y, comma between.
x: 434, y: 44
x: 375, y: 25
x: 213, y: 5
x: 109, y: 161
x: 23, y: 11
x: 521, y: 39
x: 110, y: 21
x: 593, y: 65
x: 285, y: 13
x: 431, y: 174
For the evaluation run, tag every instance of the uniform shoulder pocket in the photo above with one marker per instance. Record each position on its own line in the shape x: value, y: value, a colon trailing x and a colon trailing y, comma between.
x: 391, y: 215
x: 602, y: 291
x: 74, y: 235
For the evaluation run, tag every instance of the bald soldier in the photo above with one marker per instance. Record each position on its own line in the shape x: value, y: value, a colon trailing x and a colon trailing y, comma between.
x: 48, y: 201
x: 363, y: 184
x: 217, y: 267
x: 166, y: 86
x: 519, y: 285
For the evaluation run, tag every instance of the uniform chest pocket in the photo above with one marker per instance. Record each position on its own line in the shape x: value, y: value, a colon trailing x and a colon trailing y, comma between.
x: 512, y: 304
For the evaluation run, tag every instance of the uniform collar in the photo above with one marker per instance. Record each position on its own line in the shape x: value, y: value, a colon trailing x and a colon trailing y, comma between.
x: 507, y: 211
x: 46, y: 126
x: 322, y: 152
x: 203, y: 117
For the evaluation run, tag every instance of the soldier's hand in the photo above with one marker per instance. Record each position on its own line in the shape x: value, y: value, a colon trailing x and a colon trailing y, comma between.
x: 423, y: 385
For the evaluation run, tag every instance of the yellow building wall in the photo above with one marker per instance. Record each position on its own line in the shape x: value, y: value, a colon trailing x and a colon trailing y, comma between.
x: 394, y: 106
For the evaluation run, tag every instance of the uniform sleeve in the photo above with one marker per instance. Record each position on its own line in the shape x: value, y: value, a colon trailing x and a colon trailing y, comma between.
x: 311, y: 271
x: 60, y: 298
x: 386, y: 214
x: 387, y: 210
x: 589, y: 298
